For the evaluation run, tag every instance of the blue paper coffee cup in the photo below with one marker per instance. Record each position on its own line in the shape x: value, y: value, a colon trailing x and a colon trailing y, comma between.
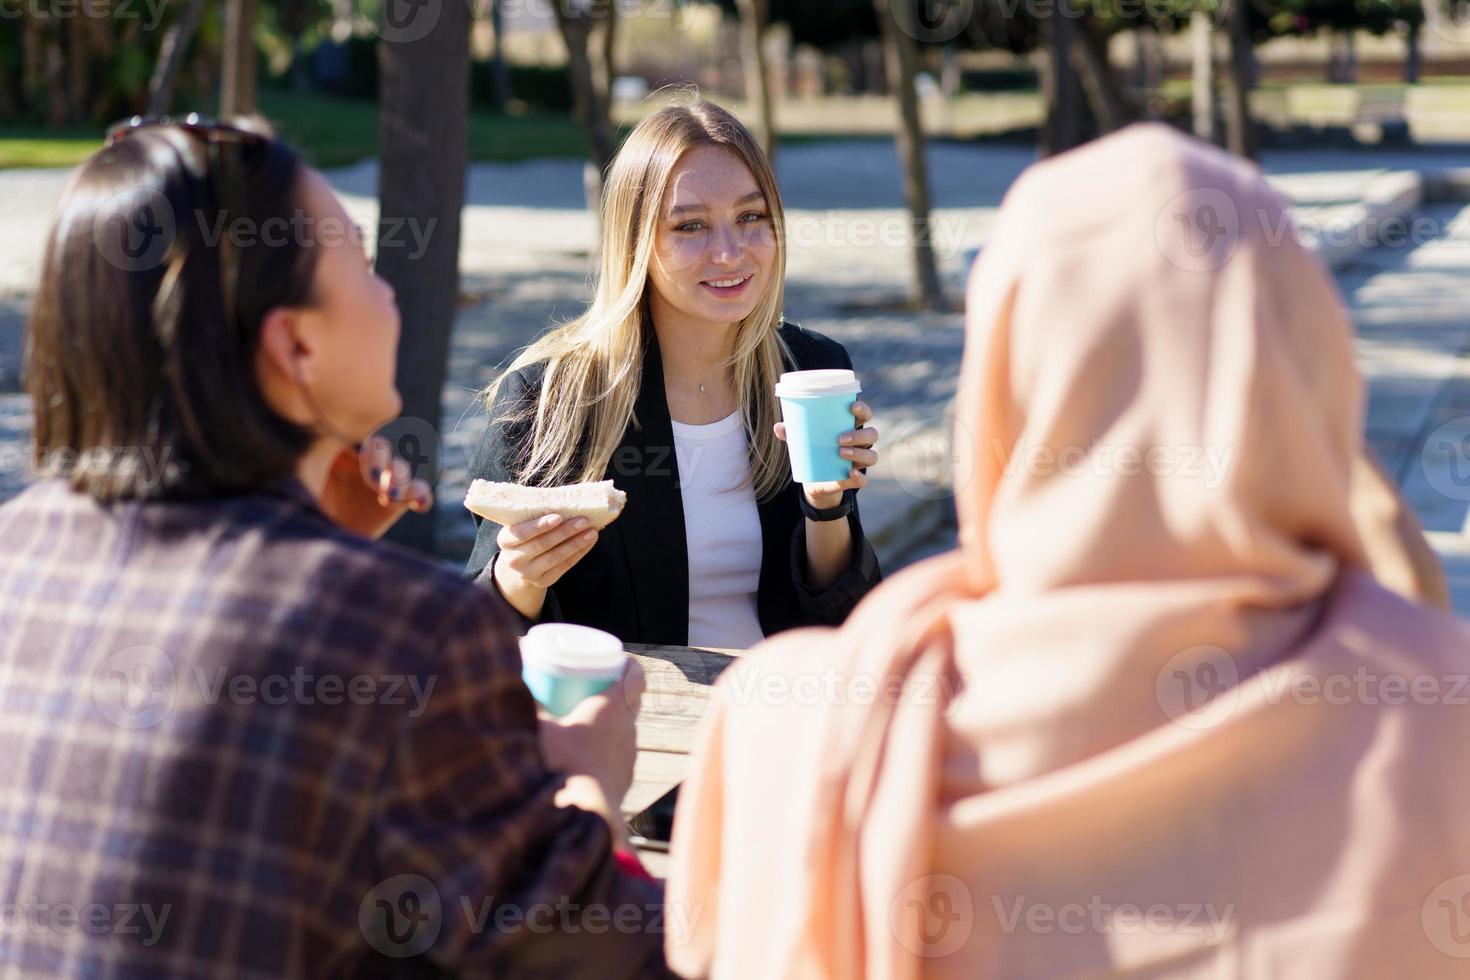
x: 563, y: 664
x: 817, y: 409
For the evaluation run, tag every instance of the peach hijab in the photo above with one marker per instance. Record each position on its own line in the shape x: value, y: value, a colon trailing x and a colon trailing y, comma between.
x: 1152, y: 718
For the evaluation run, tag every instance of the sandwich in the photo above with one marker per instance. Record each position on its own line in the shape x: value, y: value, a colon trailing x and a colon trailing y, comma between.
x: 511, y: 503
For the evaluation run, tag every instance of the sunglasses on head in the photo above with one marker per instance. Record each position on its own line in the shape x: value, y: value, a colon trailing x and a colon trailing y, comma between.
x: 194, y: 124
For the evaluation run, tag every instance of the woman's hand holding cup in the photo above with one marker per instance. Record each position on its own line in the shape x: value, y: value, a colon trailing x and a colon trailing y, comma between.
x: 368, y: 489
x: 595, y: 745
x: 857, y: 446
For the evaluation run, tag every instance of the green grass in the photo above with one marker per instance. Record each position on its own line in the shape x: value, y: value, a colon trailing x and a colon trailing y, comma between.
x: 33, y: 146
x: 335, y: 132
x: 331, y: 132
x: 1435, y: 93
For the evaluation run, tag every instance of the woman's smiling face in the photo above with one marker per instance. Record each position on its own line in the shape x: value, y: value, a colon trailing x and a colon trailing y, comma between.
x: 716, y: 244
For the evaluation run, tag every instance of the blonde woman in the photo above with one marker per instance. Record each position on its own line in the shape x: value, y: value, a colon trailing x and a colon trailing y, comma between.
x: 666, y: 386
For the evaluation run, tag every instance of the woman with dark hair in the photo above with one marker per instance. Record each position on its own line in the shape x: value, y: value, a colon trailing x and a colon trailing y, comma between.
x: 296, y: 750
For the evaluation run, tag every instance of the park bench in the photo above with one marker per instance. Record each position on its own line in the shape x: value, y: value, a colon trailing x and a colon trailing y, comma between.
x: 1381, y: 118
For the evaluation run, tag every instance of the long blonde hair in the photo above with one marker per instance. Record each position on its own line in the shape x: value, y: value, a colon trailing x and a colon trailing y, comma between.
x: 594, y: 364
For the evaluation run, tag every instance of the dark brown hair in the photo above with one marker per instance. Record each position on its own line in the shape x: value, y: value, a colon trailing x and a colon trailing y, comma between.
x: 143, y: 383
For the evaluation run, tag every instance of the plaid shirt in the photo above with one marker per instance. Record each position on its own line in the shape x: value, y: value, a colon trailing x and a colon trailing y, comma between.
x: 239, y: 742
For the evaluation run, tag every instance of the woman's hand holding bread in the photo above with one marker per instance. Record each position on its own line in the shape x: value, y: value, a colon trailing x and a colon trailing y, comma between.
x: 535, y: 554
x: 546, y: 530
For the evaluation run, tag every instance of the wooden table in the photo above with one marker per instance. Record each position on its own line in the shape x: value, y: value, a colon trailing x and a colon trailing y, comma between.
x: 674, y: 698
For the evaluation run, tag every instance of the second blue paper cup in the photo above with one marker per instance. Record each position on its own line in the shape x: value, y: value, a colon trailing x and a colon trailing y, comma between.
x: 563, y: 664
x: 817, y: 409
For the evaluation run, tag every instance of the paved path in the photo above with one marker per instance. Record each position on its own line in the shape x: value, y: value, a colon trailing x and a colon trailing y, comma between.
x: 525, y: 265
x: 1411, y: 305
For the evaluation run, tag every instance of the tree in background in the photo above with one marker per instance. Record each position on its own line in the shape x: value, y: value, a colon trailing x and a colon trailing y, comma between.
x: 176, y: 41
x: 1083, y: 95
x: 92, y: 69
x: 237, y: 77
x: 1067, y: 123
x: 754, y: 19
x: 64, y: 70
x: 1204, y: 93
x: 1242, y: 137
x: 587, y: 28
x: 423, y: 133
x: 499, y: 69
x: 1341, y: 19
x: 901, y: 61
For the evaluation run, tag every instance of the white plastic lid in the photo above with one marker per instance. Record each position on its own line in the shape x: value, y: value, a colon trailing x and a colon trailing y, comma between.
x: 812, y: 384
x: 570, y: 650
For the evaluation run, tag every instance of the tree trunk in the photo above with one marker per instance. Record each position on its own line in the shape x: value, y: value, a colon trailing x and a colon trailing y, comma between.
x: 901, y: 63
x: 32, y: 61
x: 58, y: 113
x: 499, y: 70
x: 78, y: 67
x: 12, y: 92
x: 588, y: 100
x: 754, y: 15
x: 1241, y: 135
x: 1155, y: 70
x: 171, y: 55
x: 300, y: 67
x: 237, y: 82
x: 423, y: 145
x: 949, y: 73
x: 299, y: 18
x: 1206, y: 114
x: 605, y: 66
x: 1089, y: 55
x: 1342, y: 60
x: 1066, y: 124
x: 1139, y: 77
x: 1413, y: 56
x: 852, y: 56
x: 875, y: 73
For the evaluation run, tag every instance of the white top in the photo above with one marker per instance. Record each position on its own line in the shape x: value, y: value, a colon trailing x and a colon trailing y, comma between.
x: 723, y: 530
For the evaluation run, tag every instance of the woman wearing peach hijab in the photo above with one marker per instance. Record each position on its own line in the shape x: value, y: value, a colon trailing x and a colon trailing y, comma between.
x: 1152, y: 718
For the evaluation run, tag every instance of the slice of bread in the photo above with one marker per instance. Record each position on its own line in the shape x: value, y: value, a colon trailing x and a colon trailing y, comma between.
x: 511, y: 503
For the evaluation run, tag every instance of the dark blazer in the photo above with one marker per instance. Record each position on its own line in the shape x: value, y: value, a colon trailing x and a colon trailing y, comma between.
x: 635, y: 581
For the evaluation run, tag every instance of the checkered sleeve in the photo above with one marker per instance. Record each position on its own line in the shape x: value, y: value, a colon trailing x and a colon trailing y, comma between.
x: 479, y: 870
